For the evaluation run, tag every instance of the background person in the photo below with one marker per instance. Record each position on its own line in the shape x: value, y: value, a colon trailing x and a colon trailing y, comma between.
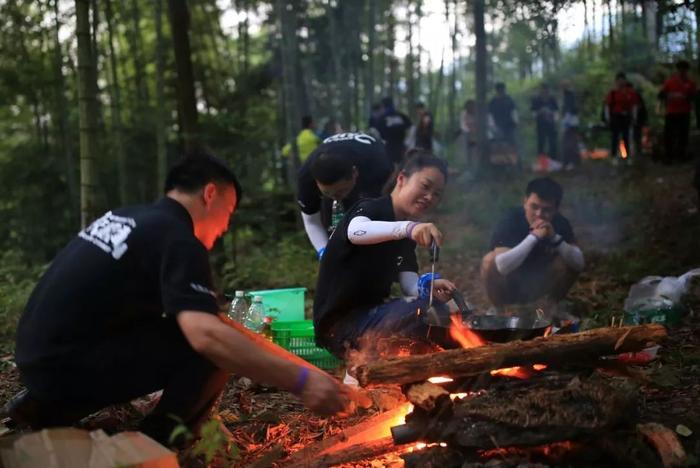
x: 127, y: 308
x: 621, y: 105
x: 532, y: 254
x: 306, y: 140
x: 345, y: 168
x: 677, y: 93
x: 392, y: 126
x: 544, y: 107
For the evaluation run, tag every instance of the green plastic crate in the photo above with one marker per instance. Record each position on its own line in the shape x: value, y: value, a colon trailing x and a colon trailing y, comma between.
x: 298, y: 337
x: 288, y: 303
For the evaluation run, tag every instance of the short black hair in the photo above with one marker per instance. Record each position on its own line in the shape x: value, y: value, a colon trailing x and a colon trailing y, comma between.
x: 682, y: 65
x: 419, y: 158
x: 500, y: 86
x: 546, y: 188
x: 419, y: 105
x: 197, y: 169
x: 620, y: 75
x: 388, y: 101
x: 306, y: 121
x: 330, y: 167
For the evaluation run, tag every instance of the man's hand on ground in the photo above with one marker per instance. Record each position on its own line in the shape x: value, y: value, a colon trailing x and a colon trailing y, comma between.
x: 324, y: 395
x: 424, y: 233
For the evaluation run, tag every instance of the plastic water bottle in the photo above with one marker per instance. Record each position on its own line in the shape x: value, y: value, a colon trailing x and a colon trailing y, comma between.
x: 337, y: 214
x: 238, y: 307
x: 254, y: 316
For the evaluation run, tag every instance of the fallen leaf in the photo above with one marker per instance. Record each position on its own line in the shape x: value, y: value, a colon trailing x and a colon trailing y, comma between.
x: 684, y: 430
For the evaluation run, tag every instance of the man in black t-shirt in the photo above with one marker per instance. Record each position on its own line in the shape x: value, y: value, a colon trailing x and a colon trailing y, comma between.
x: 544, y: 107
x: 393, y: 126
x: 532, y: 250
x: 128, y: 308
x: 504, y: 114
x: 345, y: 168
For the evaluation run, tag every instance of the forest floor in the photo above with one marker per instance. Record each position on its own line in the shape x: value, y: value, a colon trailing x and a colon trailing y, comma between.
x: 629, y: 221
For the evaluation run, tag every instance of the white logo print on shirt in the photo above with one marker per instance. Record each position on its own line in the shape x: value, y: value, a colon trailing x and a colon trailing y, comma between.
x: 110, y: 233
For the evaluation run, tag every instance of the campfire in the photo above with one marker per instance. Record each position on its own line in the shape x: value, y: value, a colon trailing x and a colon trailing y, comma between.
x: 557, y: 399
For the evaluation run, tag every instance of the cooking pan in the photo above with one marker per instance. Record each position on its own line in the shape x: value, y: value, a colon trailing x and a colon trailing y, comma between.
x: 500, y: 329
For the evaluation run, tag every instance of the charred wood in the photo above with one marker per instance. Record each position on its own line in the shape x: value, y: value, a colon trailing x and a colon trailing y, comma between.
x: 553, y: 349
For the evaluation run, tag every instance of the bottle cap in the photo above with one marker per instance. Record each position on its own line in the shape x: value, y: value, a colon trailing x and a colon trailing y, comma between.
x: 240, y: 293
x: 257, y: 299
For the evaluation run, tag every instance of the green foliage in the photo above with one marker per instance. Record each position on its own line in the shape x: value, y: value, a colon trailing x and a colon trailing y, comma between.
x: 16, y: 283
x: 214, y: 445
x: 290, y: 262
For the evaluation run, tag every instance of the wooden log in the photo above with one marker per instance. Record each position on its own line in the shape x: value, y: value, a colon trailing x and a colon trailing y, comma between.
x: 357, y: 452
x: 553, y: 349
x: 427, y: 395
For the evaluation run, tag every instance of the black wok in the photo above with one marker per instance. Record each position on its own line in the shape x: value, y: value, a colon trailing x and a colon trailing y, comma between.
x: 500, y: 329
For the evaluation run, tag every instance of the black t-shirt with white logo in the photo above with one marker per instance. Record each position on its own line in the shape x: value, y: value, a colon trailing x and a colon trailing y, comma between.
x: 514, y: 228
x: 367, y: 155
x: 393, y: 127
x: 357, y: 277
x: 129, y: 268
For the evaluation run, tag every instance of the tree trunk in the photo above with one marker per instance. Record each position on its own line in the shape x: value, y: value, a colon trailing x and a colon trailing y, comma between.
x: 697, y: 28
x: 116, y: 109
x: 286, y: 18
x: 161, y: 153
x: 480, y: 81
x: 576, y: 347
x: 371, y: 45
x: 452, y: 101
x: 62, y: 114
x: 187, y: 102
x: 87, y: 86
x: 408, y: 61
x: 136, y: 52
x: 611, y: 34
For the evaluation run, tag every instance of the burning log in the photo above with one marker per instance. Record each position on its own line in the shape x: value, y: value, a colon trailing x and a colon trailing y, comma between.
x: 554, y: 349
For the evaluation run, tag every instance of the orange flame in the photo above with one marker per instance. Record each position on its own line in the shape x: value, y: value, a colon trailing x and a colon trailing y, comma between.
x: 463, y: 335
x: 623, y: 150
x: 439, y: 380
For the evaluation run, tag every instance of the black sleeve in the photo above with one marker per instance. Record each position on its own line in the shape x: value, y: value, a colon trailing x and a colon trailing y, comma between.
x: 555, y: 106
x: 506, y: 233
x: 534, y: 104
x: 565, y: 230
x: 410, y: 262
x: 185, y: 278
x: 308, y: 194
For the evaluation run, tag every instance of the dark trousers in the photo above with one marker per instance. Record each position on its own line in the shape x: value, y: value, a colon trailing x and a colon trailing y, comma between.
x: 126, y: 366
x: 676, y: 129
x: 547, y: 136
x: 619, y: 130
x: 394, y: 319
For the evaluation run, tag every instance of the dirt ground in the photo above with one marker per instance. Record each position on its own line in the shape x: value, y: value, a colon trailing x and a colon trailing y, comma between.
x: 658, y: 236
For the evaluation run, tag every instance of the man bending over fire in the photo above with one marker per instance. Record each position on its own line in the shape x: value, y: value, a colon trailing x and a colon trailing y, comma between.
x: 127, y: 308
x: 532, y: 250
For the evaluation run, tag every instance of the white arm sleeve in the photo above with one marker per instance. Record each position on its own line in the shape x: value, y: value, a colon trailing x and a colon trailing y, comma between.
x: 364, y: 231
x: 511, y: 260
x: 409, y: 283
x: 314, y: 229
x: 572, y: 256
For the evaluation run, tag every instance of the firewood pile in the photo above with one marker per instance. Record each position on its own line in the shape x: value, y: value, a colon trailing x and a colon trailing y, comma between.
x: 562, y: 400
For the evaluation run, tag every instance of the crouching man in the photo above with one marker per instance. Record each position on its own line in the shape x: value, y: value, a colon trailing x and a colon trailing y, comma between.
x: 127, y: 308
x: 533, y: 254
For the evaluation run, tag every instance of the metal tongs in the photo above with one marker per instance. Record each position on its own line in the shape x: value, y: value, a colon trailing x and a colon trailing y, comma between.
x: 434, y: 256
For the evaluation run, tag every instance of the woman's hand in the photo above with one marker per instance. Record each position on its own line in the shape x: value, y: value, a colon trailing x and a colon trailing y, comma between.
x: 443, y: 289
x: 424, y: 233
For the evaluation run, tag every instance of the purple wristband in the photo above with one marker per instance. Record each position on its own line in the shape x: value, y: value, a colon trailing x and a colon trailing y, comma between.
x: 301, y: 381
x: 409, y: 229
